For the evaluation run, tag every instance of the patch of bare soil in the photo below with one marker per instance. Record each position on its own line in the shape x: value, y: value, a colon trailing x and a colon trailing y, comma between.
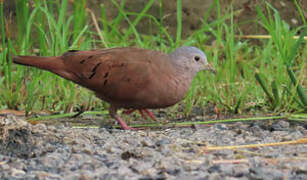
x: 193, y: 12
x: 62, y: 152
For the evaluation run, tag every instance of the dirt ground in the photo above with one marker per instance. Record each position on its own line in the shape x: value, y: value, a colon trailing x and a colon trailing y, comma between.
x: 195, y: 10
x: 62, y: 152
x: 193, y: 13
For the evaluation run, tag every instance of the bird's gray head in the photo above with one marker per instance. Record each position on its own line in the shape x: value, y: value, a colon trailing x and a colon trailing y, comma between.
x: 190, y: 59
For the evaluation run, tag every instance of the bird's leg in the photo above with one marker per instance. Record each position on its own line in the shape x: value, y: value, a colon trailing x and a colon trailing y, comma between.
x: 142, y: 113
x: 113, y: 113
x: 129, y: 111
x: 150, y: 114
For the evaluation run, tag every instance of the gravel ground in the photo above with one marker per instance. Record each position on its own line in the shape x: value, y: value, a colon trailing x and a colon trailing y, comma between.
x: 60, y: 152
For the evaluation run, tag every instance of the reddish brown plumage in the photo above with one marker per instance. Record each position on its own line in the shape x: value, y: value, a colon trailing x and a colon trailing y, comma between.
x: 124, y: 77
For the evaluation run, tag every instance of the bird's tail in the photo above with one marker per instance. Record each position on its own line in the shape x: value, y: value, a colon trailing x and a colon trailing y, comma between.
x: 53, y: 64
x: 46, y: 63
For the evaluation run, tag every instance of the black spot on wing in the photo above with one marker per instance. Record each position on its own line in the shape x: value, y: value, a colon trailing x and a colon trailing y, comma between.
x: 92, y: 75
x: 106, y: 74
x: 94, y: 71
x: 83, y: 60
x: 95, y: 67
x: 105, y: 82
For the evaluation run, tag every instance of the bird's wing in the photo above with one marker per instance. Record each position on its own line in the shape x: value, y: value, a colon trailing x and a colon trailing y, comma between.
x: 121, y: 76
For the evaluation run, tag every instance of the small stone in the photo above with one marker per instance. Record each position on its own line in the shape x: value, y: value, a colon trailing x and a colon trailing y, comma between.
x: 215, y: 176
x: 5, y: 167
x: 240, y: 170
x: 111, y: 149
x: 69, y: 141
x: 221, y: 126
x: 164, y: 150
x: 214, y: 168
x: 283, y: 4
x: 46, y: 175
x: 141, y: 167
x: 17, y: 173
x: 266, y: 173
x: 198, y: 118
x: 226, y: 168
x: 162, y: 142
x: 294, y: 21
x: 87, y: 150
x: 41, y: 127
x: 281, y: 125
x: 302, y: 129
x: 147, y: 143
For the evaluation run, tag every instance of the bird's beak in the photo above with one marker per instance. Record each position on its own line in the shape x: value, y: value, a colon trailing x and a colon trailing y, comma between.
x: 210, y: 68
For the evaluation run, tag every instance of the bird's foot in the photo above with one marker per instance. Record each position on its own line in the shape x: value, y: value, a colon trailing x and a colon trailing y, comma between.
x: 123, y: 125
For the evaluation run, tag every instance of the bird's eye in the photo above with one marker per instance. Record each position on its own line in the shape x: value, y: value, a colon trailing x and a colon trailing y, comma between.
x: 196, y: 58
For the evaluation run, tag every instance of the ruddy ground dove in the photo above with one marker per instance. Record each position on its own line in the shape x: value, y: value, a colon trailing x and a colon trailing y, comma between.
x: 130, y: 78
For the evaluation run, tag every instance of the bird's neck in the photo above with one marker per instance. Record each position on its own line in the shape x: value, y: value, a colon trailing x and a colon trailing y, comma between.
x: 184, y: 72
x: 183, y: 78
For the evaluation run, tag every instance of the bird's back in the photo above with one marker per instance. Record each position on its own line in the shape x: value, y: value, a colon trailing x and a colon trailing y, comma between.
x: 125, y: 77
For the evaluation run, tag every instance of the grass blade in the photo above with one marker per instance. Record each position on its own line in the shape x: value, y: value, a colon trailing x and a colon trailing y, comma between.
x: 292, y: 55
x: 139, y: 17
x: 179, y: 21
x: 2, y: 34
x: 275, y: 93
x: 299, y: 88
x: 124, y: 14
x: 264, y: 86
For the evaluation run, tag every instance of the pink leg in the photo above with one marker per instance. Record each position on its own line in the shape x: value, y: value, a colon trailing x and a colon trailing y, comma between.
x: 142, y: 113
x: 150, y: 114
x: 217, y: 112
x: 128, y: 111
x: 113, y: 110
x: 123, y: 124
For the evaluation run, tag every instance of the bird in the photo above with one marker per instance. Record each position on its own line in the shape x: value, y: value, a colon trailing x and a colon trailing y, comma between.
x: 127, y: 77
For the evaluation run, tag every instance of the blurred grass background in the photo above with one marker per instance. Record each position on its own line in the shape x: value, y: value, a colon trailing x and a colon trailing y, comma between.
x: 268, y: 76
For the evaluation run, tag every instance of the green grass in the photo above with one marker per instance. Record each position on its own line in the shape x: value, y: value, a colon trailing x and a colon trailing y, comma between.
x: 270, y: 77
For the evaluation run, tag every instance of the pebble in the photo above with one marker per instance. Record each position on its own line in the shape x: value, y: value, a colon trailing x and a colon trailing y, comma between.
x: 61, y: 152
x: 281, y: 125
